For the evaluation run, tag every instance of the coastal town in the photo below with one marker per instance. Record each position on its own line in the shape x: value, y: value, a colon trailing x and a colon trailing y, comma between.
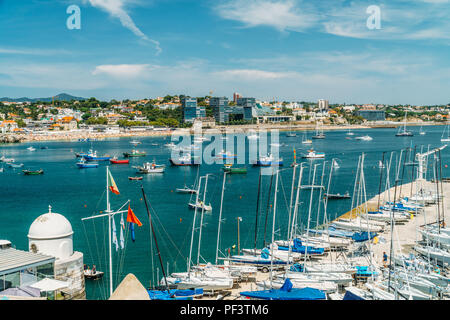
x: 65, y: 117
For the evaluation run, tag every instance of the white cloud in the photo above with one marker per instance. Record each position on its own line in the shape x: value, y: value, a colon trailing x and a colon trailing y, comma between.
x: 116, y: 9
x: 253, y: 75
x: 282, y: 15
x: 122, y: 70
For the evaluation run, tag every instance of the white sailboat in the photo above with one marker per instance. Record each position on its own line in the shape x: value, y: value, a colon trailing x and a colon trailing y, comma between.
x: 305, y: 139
x: 444, y: 137
x: 402, y: 132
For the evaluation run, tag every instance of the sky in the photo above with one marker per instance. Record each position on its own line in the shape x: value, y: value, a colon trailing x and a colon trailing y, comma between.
x: 287, y: 50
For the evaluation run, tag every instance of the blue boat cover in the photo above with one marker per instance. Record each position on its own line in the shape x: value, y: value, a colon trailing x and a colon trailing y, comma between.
x: 298, y: 247
x: 286, y: 292
x: 296, y: 267
x: 351, y: 296
x: 175, y: 294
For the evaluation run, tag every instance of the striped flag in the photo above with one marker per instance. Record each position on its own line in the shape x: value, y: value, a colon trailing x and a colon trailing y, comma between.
x: 114, y: 236
x: 112, y: 184
x: 122, y: 227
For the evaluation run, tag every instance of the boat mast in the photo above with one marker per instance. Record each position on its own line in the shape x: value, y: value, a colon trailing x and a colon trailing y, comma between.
x: 154, y: 239
x: 267, y: 208
x: 309, y: 215
x: 294, y: 217
x: 108, y: 211
x: 220, y: 216
x: 273, y: 228
x: 193, y: 227
x: 201, y: 220
x: 290, y: 203
x: 257, y: 209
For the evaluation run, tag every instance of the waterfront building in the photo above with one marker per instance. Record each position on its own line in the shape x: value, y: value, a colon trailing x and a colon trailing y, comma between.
x: 236, y: 96
x: 191, y: 110
x: 247, y: 104
x: 372, y: 115
x: 221, y: 110
x: 323, y: 105
x: 8, y: 126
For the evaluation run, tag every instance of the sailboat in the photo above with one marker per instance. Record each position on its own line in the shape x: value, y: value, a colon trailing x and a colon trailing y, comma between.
x: 446, y: 138
x: 402, y: 132
x: 319, y: 133
x: 305, y: 139
x: 421, y: 132
x: 350, y: 133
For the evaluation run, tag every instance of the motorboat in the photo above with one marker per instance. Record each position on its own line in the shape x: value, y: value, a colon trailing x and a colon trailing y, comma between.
x: 364, y: 138
x: 30, y: 148
x: 314, y: 155
x: 267, y: 161
x: 186, y: 160
x: 148, y: 167
x: 225, y: 155
x: 33, y: 172
x: 92, y: 156
x: 134, y: 153
x: 200, y: 205
x: 186, y: 189
x: 3, y: 159
x: 117, y: 161
x: 83, y: 164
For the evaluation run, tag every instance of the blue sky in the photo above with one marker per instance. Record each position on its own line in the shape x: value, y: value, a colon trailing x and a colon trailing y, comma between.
x: 282, y: 49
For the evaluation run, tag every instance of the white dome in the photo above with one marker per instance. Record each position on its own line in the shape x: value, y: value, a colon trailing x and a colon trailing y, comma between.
x: 50, y: 225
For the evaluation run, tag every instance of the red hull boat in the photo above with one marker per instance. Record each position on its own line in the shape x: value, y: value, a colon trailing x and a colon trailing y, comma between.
x: 135, y: 178
x: 115, y: 161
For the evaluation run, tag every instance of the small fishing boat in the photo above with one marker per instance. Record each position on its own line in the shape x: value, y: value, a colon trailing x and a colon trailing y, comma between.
x: 3, y: 159
x: 92, y: 156
x: 44, y: 147
x: 229, y: 169
x: 134, y: 153
x: 135, y: 178
x: 200, y: 205
x: 31, y: 148
x: 89, y: 274
x: 33, y: 172
x: 83, y: 164
x: 135, y: 142
x: 186, y: 190
x: 337, y: 196
x: 148, y: 167
x: 267, y: 161
x: 364, y: 138
x: 226, y: 155
x: 291, y: 134
x: 117, y: 161
x: 12, y: 165
x: 314, y: 155
x: 186, y: 160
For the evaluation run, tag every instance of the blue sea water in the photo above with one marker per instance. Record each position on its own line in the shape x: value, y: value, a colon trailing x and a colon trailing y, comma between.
x: 78, y: 193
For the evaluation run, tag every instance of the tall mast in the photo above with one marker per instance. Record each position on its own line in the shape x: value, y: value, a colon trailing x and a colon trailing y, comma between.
x: 273, y: 228
x: 309, y: 215
x: 290, y: 203
x: 108, y: 211
x: 267, y: 209
x: 193, y: 227
x: 201, y: 220
x: 257, y: 210
x: 220, y: 216
x: 154, y: 238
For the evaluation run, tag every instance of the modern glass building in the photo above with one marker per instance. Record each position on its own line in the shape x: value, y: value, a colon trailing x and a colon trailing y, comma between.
x: 221, y: 110
x: 372, y: 115
x: 247, y: 105
x: 191, y: 110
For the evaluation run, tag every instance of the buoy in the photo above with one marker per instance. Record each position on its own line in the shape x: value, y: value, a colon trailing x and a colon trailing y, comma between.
x: 240, y: 197
x: 181, y: 220
x: 85, y: 206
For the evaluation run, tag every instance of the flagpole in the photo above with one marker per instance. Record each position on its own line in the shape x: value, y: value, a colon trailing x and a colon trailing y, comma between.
x: 108, y: 211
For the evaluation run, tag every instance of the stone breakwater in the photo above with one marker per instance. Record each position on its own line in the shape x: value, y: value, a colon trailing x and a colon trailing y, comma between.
x: 8, y: 138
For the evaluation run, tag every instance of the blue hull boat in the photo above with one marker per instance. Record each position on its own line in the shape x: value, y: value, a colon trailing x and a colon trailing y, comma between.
x: 286, y: 292
x: 87, y: 165
x: 91, y: 158
x: 175, y: 294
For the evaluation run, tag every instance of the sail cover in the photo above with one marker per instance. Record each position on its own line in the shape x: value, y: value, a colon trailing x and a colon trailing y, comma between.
x: 286, y: 292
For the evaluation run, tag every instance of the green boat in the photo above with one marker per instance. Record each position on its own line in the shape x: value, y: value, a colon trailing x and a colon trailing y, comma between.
x: 134, y: 153
x: 33, y: 173
x: 231, y: 170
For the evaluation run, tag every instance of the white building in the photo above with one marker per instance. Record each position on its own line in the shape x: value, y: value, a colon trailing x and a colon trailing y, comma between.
x: 323, y: 105
x: 51, y: 234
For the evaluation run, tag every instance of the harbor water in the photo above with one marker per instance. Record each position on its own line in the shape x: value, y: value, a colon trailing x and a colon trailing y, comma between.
x: 79, y: 193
